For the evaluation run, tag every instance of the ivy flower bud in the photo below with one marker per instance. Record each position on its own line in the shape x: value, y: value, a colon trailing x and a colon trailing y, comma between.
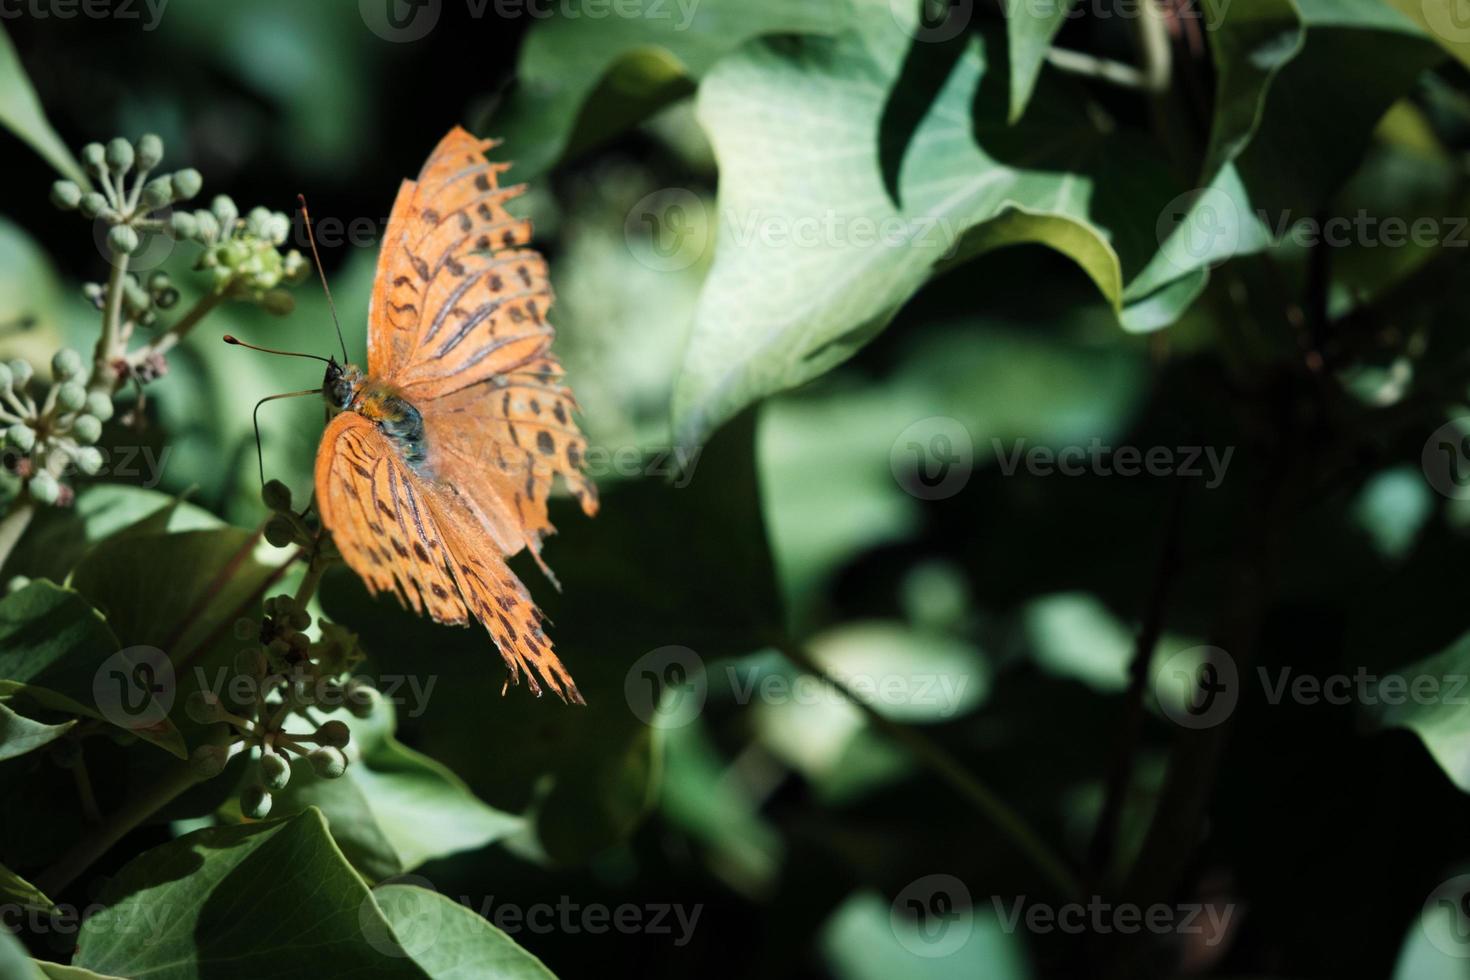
x: 275, y: 772
x: 204, y: 707
x: 187, y: 183
x: 89, y: 460
x: 255, y: 802
x: 334, y: 733
x: 208, y: 761
x: 150, y: 151
x: 22, y: 371
x: 278, y: 302
x: 361, y: 698
x: 166, y: 298
x: 92, y: 204
x: 99, y: 406
x: 122, y: 240
x: 66, y: 195
x: 183, y: 225
x: 277, y: 495
x: 86, y: 429
x: 17, y: 583
x: 6, y: 379
x: 119, y: 155
x: 44, y: 487
x: 66, y: 363
x: 207, y: 225
x: 327, y: 762
x: 94, y: 158
x: 71, y: 396
x: 279, y: 531
x: 21, y: 436
x: 157, y: 193
x: 225, y: 213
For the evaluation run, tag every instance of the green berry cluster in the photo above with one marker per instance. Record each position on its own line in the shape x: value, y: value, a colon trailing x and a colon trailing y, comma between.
x: 290, y: 674
x: 56, y: 435
x: 141, y: 299
x: 126, y: 195
x: 243, y: 254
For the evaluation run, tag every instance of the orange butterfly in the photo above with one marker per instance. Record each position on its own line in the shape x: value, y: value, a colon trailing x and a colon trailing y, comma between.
x: 439, y: 461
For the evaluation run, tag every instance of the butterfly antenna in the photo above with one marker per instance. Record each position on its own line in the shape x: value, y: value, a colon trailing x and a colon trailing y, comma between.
x: 255, y: 420
x: 271, y: 350
x: 311, y: 239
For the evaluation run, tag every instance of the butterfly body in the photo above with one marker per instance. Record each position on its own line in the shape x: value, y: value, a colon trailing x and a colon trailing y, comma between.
x: 347, y: 389
x: 442, y: 453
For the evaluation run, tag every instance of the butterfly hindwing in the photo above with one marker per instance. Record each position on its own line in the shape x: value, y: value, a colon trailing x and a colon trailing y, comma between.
x: 407, y: 536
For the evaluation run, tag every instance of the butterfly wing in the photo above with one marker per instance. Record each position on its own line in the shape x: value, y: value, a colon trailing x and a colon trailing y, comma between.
x: 459, y: 323
x: 405, y: 535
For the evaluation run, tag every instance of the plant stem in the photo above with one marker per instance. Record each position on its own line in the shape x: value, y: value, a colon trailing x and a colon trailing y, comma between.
x: 179, y: 330
x: 14, y: 524
x: 177, y: 778
x: 104, y: 378
x: 1006, y: 820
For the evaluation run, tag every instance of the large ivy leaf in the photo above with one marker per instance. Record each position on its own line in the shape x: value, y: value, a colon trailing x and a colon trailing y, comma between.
x: 1030, y: 28
x: 21, y: 113
x: 585, y: 76
x: 448, y: 940
x: 395, y: 808
x: 812, y: 258
x: 13, y: 959
x: 177, y: 592
x: 53, y: 644
x: 270, y: 899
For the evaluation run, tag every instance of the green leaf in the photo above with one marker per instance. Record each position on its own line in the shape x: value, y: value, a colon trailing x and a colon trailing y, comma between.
x: 1443, y: 21
x: 14, y: 963
x: 59, y: 537
x: 19, y: 735
x: 1249, y: 47
x: 15, y: 890
x: 812, y: 259
x: 269, y: 899
x: 55, y: 648
x: 867, y: 940
x: 583, y: 77
x: 395, y: 808
x: 445, y: 939
x: 179, y: 592
x: 1440, y: 718
x: 1030, y: 28
x: 59, y: 971
x: 21, y: 113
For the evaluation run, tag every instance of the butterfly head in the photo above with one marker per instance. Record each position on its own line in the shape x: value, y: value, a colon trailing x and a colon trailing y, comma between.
x: 341, y: 383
